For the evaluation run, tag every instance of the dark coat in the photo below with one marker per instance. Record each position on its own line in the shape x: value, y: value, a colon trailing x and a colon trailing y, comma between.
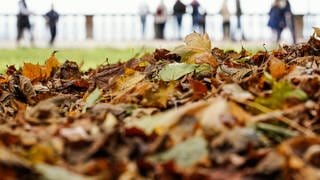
x: 52, y: 17
x: 179, y: 8
x: 195, y: 8
x: 277, y: 18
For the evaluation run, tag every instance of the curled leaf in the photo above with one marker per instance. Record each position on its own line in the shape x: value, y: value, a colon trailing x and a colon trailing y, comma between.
x: 277, y: 67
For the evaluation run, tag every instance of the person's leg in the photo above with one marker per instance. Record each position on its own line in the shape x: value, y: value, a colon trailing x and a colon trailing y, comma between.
x: 179, y: 23
x: 19, y: 29
x: 194, y: 23
x: 53, y: 31
x: 162, y: 26
x: 238, y: 22
x: 293, y: 30
x: 19, y: 33
x: 204, y: 23
x: 156, y: 31
x: 239, y: 25
x: 224, y: 28
x: 228, y: 30
x: 279, y: 31
x: 31, y: 35
x: 143, y: 25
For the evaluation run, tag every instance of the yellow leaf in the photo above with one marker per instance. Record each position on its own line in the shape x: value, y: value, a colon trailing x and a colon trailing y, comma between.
x: 32, y: 71
x: 161, y: 96
x: 195, y: 43
x: 51, y: 64
x: 129, y: 71
x: 35, y: 72
x: 198, y: 42
x: 316, y: 31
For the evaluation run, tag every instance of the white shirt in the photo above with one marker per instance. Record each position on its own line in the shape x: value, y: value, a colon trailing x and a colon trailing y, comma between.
x: 225, y: 13
x: 23, y: 10
x: 143, y: 9
x: 163, y: 17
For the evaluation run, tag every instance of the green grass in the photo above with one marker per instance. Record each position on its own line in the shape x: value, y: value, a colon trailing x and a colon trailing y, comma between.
x: 90, y: 57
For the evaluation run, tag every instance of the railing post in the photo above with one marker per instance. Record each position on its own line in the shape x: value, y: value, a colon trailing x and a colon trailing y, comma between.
x: 89, y: 26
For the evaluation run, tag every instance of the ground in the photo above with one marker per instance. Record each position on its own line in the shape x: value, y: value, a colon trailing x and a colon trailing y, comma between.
x: 92, y: 54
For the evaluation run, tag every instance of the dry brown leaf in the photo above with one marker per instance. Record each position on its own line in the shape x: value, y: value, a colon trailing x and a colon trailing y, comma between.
x: 36, y: 72
x: 277, y: 67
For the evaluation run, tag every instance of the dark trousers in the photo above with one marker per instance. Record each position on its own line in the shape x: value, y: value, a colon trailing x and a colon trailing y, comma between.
x: 226, y: 30
x: 239, y: 26
x: 22, y: 24
x: 179, y: 23
x: 279, y: 31
x: 143, y: 20
x: 53, y: 32
x: 159, y: 30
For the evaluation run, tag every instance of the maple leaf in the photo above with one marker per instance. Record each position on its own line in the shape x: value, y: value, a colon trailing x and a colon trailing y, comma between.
x: 36, y: 72
x: 197, y: 49
x: 51, y: 64
x: 32, y: 71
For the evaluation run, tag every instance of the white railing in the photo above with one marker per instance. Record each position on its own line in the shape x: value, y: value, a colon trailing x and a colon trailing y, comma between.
x: 126, y: 27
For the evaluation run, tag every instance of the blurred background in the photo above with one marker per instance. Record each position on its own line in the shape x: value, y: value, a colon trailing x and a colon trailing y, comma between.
x: 136, y: 23
x: 108, y: 20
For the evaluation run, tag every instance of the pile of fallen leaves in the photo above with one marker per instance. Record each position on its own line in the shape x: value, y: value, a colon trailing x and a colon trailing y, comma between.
x: 191, y: 113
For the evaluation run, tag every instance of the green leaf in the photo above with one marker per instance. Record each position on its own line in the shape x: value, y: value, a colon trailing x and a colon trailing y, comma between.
x: 281, y: 91
x: 203, y: 70
x: 49, y: 172
x: 92, y: 99
x: 175, y: 71
x: 184, y: 154
x: 277, y: 129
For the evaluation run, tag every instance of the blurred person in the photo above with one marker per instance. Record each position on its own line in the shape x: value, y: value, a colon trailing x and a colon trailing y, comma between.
x: 277, y: 20
x: 196, y: 16
x: 160, y: 20
x: 290, y: 20
x: 143, y: 13
x: 179, y: 9
x: 239, y: 25
x: 202, y: 22
x: 52, y: 18
x: 225, y: 13
x: 23, y: 21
